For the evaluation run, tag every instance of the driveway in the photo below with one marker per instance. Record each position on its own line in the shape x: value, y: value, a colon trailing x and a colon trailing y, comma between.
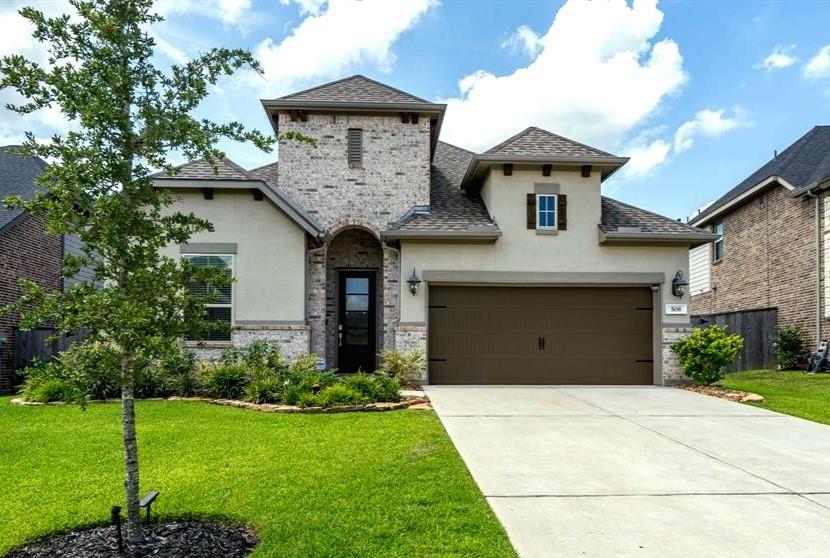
x: 642, y: 471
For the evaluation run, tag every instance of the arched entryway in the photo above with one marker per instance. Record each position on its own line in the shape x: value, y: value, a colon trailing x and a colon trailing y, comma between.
x: 354, y: 300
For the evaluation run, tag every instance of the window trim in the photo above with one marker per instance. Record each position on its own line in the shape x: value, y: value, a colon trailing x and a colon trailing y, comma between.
x: 717, y: 242
x: 214, y: 305
x: 555, y: 212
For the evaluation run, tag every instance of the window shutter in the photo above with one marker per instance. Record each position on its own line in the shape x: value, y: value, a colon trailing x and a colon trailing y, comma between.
x: 562, y: 212
x: 354, y: 146
x: 531, y: 211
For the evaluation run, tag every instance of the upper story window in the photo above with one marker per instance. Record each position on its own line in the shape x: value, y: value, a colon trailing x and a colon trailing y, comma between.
x: 717, y: 252
x: 220, y: 308
x: 354, y: 147
x: 546, y: 211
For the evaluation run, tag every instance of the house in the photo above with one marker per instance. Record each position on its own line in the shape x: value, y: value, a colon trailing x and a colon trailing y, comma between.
x: 507, y: 266
x: 772, y: 241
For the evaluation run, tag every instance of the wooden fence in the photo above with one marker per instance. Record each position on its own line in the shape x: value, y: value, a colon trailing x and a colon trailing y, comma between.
x: 41, y: 343
x: 756, y: 327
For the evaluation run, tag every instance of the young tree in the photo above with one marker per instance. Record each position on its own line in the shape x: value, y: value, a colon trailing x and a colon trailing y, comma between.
x: 128, y: 115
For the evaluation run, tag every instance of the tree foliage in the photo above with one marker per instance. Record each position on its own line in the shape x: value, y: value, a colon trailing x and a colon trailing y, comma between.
x: 127, y: 114
x: 705, y: 353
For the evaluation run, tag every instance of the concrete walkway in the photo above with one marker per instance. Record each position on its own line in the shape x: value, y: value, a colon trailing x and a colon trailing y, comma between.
x: 642, y: 471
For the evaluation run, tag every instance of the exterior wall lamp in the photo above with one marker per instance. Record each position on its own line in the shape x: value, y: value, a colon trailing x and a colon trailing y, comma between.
x: 413, y: 281
x: 679, y: 284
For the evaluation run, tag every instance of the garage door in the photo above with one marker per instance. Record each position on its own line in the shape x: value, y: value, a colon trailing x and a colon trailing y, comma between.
x: 540, y: 335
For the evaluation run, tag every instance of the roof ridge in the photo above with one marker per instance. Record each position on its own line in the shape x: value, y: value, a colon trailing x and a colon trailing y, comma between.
x: 509, y: 140
x: 679, y: 222
x: 798, y: 146
x: 585, y: 145
x: 347, y: 78
x: 263, y: 166
x: 448, y: 144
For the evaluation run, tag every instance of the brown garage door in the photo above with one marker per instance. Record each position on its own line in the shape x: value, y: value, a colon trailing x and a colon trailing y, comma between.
x: 540, y: 335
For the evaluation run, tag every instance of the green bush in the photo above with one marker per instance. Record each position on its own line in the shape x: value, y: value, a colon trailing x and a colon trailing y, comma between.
x: 374, y: 387
x: 265, y: 387
x: 788, y: 346
x: 306, y: 364
x: 255, y: 355
x: 309, y: 381
x: 95, y: 367
x: 179, y: 367
x: 407, y: 368
x: 291, y: 395
x: 225, y: 381
x: 152, y: 381
x: 705, y: 352
x: 47, y: 390
x: 306, y: 399
x: 338, y: 394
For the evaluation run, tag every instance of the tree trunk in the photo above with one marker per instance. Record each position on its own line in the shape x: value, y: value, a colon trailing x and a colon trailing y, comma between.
x: 130, y: 446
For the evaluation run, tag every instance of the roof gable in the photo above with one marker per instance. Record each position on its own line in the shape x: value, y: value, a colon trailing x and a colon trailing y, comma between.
x: 805, y: 161
x: 201, y: 169
x: 355, y: 89
x: 17, y: 176
x: 535, y: 141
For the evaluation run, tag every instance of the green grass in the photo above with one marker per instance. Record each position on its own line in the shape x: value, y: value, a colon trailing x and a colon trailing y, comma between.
x: 794, y: 393
x: 356, y: 484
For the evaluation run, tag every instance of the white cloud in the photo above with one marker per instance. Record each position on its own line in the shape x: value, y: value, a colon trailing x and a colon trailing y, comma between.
x: 525, y: 40
x: 819, y: 65
x: 229, y: 12
x: 331, y: 42
x: 708, y: 122
x: 306, y: 6
x: 646, y: 155
x: 597, y: 76
x: 780, y: 58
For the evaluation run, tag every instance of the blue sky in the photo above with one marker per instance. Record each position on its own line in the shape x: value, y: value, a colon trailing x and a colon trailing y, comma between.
x: 699, y: 94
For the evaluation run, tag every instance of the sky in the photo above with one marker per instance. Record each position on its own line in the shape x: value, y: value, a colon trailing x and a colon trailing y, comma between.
x: 698, y: 93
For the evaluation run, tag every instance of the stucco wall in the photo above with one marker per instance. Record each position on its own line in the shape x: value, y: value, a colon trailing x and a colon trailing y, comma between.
x: 269, y: 265
x: 520, y: 249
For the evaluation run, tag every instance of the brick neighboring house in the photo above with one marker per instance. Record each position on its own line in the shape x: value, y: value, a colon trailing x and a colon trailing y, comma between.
x: 775, y: 241
x: 26, y: 251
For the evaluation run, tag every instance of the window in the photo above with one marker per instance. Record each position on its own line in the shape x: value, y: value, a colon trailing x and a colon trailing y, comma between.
x: 546, y: 211
x: 717, y: 253
x: 354, y: 146
x: 221, y: 305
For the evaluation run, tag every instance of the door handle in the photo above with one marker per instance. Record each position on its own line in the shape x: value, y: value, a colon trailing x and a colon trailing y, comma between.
x: 543, y: 343
x: 340, y: 339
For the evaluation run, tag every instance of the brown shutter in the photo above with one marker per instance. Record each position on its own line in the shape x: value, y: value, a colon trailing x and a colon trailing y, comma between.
x: 531, y: 211
x: 562, y: 212
x: 355, y: 147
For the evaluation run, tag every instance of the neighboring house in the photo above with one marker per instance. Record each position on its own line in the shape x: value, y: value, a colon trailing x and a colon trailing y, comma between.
x: 773, y: 230
x: 507, y: 266
x: 26, y: 251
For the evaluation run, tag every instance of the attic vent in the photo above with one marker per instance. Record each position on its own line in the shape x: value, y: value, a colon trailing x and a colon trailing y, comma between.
x: 354, y: 145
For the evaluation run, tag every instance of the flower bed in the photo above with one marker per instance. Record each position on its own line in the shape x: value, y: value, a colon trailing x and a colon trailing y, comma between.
x: 723, y: 393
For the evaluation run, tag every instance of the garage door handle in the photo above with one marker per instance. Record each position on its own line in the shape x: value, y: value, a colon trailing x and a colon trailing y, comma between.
x: 540, y: 342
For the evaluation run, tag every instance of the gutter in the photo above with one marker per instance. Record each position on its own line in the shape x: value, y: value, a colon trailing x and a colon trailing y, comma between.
x: 441, y: 235
x: 709, y: 213
x: 622, y: 238
x: 477, y: 160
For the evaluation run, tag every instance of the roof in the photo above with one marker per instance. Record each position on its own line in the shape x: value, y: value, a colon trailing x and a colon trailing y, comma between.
x: 452, y: 212
x: 200, y: 173
x: 621, y: 222
x: 17, y: 176
x: 536, y: 141
x: 801, y: 164
x: 355, y: 89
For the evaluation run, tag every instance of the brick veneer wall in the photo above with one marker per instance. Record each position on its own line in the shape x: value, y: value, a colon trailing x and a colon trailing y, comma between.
x: 394, y: 176
x: 26, y: 251
x: 769, y: 261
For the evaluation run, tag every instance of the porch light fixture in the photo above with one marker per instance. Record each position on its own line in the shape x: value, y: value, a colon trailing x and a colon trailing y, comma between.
x: 413, y: 281
x: 679, y: 284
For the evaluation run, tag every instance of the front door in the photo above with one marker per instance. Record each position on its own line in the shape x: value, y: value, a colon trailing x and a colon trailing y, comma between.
x: 356, y: 327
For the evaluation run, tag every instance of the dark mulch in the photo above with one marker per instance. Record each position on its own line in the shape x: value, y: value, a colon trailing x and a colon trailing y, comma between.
x: 169, y: 540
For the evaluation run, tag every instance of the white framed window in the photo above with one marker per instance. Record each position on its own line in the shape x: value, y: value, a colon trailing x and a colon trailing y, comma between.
x: 221, y: 308
x: 546, y: 211
x: 717, y: 251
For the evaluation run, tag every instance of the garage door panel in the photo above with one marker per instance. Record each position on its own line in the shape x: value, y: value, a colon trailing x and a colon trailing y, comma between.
x: 491, y: 335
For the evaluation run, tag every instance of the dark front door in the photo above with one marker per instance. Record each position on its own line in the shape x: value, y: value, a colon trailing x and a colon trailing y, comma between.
x: 356, y: 328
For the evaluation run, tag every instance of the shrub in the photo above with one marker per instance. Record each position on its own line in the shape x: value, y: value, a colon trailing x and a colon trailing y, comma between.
x: 788, y: 345
x: 152, y: 381
x: 310, y: 381
x: 306, y: 399
x: 361, y: 383
x: 47, y: 390
x: 256, y: 354
x: 265, y: 387
x: 306, y: 364
x: 705, y: 352
x: 178, y: 365
x: 291, y: 395
x: 225, y: 381
x: 338, y: 394
x: 95, y: 367
x: 374, y: 387
x: 406, y: 367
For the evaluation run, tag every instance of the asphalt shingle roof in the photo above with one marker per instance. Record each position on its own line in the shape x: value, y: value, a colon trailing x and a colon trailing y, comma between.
x: 617, y: 215
x: 806, y: 161
x: 202, y: 170
x: 450, y: 208
x: 269, y: 173
x: 355, y: 89
x: 17, y: 176
x: 536, y: 141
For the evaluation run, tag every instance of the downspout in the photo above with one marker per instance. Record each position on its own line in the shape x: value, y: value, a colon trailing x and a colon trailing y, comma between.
x: 818, y: 272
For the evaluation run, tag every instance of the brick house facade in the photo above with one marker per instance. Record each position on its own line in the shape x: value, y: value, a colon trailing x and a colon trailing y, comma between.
x: 770, y: 256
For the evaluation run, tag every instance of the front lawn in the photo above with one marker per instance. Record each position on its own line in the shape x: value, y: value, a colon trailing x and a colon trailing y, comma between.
x: 355, y: 484
x: 794, y: 393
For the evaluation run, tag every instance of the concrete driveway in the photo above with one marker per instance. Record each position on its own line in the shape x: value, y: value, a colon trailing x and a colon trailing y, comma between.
x: 642, y: 471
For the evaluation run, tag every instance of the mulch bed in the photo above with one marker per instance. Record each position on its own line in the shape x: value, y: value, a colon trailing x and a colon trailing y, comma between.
x: 186, y: 539
x: 723, y: 393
